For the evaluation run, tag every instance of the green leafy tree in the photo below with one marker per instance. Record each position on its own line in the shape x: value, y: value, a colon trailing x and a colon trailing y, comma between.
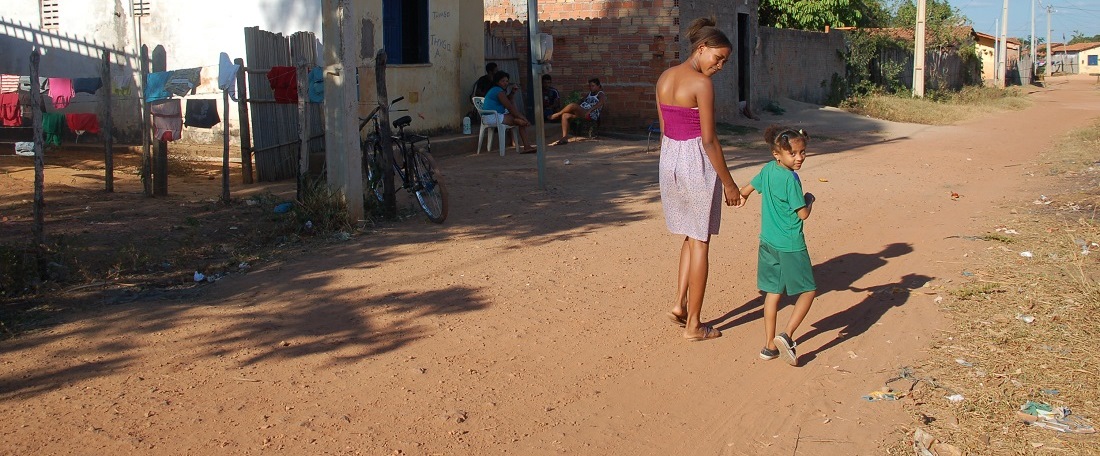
x: 942, y: 21
x: 1079, y: 37
x: 816, y: 14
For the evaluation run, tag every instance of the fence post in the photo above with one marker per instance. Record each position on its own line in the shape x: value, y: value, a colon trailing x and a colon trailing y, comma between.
x: 146, y: 124
x: 39, y: 164
x: 108, y: 141
x: 389, y: 201
x: 303, y: 127
x: 160, y: 169
x: 245, y: 128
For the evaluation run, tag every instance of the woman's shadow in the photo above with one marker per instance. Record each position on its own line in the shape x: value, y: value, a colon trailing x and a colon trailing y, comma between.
x: 836, y: 274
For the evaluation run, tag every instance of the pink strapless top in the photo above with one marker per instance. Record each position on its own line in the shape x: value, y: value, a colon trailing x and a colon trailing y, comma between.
x: 681, y: 123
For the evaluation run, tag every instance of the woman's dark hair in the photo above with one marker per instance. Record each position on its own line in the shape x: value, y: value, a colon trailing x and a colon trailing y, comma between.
x: 703, y: 31
x: 596, y: 81
x: 500, y: 75
x: 779, y: 137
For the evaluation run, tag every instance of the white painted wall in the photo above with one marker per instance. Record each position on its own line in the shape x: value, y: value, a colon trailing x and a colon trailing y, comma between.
x: 436, y: 93
x: 194, y: 32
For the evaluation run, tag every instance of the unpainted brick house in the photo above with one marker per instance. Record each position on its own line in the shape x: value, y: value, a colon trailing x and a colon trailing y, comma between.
x: 627, y: 44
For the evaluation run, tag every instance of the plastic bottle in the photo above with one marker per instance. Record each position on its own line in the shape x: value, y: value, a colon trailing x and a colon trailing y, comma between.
x: 466, y: 125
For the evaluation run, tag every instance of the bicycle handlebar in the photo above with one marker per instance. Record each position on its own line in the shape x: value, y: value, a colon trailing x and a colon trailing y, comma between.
x: 363, y: 120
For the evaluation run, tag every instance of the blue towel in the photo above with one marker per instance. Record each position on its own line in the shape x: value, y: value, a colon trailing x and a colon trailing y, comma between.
x: 154, y: 86
x: 316, y: 85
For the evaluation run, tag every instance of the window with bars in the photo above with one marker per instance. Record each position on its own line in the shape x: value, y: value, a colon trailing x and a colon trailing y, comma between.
x: 51, y: 14
x: 140, y: 8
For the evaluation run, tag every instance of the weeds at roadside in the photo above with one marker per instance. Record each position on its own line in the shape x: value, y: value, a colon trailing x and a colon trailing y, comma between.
x: 938, y: 108
x: 1025, y: 326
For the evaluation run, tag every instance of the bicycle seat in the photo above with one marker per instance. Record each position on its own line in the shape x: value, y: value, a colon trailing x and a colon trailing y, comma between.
x: 402, y: 122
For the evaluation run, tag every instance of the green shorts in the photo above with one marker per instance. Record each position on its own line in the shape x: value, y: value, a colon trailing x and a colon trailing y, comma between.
x: 784, y: 272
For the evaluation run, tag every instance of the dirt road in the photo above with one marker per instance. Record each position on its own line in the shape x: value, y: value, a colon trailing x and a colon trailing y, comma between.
x: 532, y: 321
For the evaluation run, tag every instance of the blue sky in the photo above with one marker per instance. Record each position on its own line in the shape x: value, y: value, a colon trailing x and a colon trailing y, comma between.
x: 1069, y: 15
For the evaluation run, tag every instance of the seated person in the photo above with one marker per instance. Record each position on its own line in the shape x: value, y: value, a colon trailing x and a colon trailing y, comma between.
x: 485, y: 82
x: 589, y: 108
x: 499, y: 99
x: 551, y: 99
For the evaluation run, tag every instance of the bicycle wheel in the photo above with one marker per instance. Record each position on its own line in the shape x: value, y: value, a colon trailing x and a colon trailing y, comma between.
x: 372, y: 171
x: 430, y: 191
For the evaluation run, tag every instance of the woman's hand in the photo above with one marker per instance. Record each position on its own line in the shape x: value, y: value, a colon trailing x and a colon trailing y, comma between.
x: 733, y: 196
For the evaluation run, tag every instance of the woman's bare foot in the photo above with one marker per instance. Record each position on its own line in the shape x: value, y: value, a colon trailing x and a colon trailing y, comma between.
x: 563, y: 140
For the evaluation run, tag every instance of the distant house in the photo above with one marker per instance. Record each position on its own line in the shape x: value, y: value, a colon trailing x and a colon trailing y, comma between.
x: 986, y: 48
x: 1076, y: 58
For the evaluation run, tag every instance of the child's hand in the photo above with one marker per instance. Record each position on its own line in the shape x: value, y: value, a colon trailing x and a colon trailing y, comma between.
x: 810, y: 198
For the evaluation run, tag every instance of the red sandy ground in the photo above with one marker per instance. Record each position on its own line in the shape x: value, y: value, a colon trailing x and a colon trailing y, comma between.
x: 532, y: 321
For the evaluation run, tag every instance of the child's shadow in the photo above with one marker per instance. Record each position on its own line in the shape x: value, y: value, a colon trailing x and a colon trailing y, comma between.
x: 836, y: 274
x: 857, y: 319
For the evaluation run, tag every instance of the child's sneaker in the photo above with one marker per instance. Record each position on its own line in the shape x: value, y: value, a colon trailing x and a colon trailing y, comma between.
x: 786, y: 348
x: 769, y: 355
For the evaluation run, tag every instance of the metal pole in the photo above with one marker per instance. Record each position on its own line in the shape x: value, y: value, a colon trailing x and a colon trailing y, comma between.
x: 1050, y: 57
x: 534, y: 71
x: 1003, y: 47
x: 918, y: 51
x: 1032, y: 46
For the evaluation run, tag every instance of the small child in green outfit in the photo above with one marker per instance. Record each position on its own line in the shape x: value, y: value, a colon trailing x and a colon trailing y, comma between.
x: 783, y: 264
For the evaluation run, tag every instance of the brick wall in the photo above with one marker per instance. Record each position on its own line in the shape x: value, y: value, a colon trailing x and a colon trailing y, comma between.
x: 797, y: 64
x: 627, y: 54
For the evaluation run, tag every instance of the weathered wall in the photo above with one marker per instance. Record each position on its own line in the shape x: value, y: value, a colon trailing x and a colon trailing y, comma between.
x: 435, y: 93
x: 800, y: 65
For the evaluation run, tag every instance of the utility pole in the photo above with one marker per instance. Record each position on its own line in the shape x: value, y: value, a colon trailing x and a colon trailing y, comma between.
x: 918, y: 51
x: 1002, y: 47
x: 1050, y: 57
x: 1031, y: 48
x: 534, y: 68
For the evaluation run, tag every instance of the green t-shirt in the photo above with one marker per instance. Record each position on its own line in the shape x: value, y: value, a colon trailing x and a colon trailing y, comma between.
x: 781, y: 197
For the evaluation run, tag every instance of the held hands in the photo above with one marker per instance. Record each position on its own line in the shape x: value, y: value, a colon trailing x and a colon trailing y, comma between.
x: 733, y: 195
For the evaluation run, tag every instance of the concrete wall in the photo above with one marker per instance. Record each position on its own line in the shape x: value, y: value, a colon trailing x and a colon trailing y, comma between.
x: 800, y: 65
x: 436, y: 92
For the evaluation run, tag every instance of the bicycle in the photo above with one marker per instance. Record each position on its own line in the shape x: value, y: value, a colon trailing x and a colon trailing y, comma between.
x: 414, y: 166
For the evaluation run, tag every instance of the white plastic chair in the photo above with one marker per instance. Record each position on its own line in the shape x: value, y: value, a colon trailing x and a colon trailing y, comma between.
x: 502, y: 129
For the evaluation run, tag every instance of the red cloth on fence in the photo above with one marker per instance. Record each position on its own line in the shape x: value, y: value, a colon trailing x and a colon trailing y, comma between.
x: 284, y: 82
x: 87, y: 122
x: 11, y: 112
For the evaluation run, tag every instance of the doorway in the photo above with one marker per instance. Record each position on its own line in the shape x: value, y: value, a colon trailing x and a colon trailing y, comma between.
x: 743, y: 58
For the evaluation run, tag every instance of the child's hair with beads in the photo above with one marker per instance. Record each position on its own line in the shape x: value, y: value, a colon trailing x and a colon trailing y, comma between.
x: 779, y: 136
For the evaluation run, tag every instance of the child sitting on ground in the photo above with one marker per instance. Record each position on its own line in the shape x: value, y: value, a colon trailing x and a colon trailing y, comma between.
x: 783, y: 264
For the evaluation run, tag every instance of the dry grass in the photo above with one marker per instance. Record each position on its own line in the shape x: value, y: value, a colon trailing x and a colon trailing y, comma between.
x: 993, y: 356
x: 937, y: 109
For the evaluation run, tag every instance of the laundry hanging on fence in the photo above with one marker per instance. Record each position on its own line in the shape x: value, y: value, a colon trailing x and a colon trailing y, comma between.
x: 61, y: 92
x: 201, y: 113
x: 167, y: 123
x: 11, y: 112
x: 284, y: 82
x: 316, y: 85
x: 154, y: 86
x: 83, y: 122
x: 52, y: 123
x: 227, y: 75
x: 121, y: 83
x: 182, y: 82
x: 87, y: 85
x: 25, y: 84
x: 9, y: 83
